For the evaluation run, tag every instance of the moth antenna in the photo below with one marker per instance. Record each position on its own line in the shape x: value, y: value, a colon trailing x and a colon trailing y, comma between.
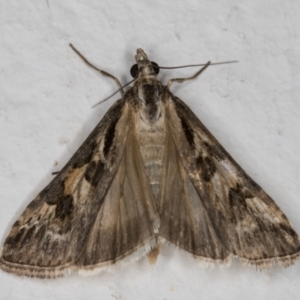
x: 100, y: 71
x: 200, y: 65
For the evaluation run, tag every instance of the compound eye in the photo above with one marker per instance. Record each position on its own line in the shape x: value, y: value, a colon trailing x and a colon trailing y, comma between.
x: 155, y: 67
x: 134, y: 70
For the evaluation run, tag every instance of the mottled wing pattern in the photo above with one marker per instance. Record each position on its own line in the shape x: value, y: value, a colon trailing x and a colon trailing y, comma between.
x: 222, y: 206
x: 88, y: 216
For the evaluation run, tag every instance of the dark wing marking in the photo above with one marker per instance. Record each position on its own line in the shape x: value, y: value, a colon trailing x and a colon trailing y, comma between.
x: 245, y: 220
x: 82, y: 219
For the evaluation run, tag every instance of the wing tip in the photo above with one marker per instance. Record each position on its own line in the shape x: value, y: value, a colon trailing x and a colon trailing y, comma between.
x: 267, y: 263
x: 55, y: 272
x: 135, y: 255
x: 32, y: 271
x: 260, y: 264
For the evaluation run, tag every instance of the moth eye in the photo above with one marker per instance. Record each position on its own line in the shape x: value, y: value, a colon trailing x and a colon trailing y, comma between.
x: 155, y: 67
x: 134, y: 70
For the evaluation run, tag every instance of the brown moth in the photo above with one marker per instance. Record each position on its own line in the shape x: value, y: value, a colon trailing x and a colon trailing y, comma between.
x: 149, y: 172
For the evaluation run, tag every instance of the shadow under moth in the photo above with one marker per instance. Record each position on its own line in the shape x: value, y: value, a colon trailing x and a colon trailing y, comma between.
x: 149, y: 172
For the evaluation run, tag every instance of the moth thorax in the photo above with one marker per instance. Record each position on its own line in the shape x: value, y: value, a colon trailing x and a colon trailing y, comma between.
x: 149, y: 97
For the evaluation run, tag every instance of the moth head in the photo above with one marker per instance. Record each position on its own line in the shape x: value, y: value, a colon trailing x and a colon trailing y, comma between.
x: 143, y: 66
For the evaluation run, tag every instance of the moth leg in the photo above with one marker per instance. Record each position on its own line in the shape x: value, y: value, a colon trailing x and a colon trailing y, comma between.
x: 180, y: 80
x: 100, y: 71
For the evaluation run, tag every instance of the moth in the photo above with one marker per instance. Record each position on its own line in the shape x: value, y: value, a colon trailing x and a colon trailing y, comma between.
x: 149, y: 172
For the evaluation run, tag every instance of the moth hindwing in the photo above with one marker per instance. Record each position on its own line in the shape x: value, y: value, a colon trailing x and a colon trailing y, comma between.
x: 149, y: 172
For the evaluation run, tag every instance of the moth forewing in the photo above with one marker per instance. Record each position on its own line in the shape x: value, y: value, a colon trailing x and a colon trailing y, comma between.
x: 245, y: 219
x: 149, y: 172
